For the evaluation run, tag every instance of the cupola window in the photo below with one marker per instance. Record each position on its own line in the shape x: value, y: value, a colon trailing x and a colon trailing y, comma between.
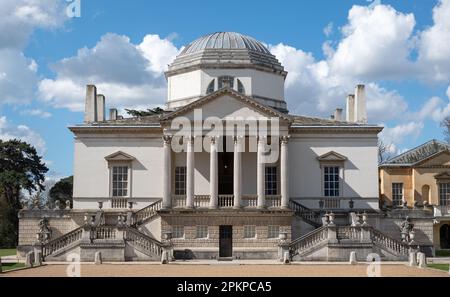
x: 210, y: 88
x: 241, y: 88
x: 226, y: 82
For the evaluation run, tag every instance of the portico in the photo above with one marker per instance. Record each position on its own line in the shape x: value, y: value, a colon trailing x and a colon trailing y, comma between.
x: 226, y: 198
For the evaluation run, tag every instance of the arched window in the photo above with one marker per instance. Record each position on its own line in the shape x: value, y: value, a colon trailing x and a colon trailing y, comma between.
x: 241, y: 88
x: 210, y: 88
x: 226, y: 82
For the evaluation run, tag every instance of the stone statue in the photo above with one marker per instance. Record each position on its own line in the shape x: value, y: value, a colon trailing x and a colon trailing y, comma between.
x: 45, y: 232
x: 406, y: 229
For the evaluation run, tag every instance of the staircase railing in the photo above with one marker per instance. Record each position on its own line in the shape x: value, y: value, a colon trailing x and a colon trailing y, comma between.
x: 146, y: 213
x: 143, y: 241
x: 62, y: 242
x: 308, y: 240
x: 310, y: 216
x: 388, y: 242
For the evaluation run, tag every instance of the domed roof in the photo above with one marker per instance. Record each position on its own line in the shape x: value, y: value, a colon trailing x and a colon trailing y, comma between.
x: 225, y: 50
x: 225, y: 40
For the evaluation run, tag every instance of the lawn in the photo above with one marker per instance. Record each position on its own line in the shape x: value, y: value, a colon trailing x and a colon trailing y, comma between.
x: 8, y: 252
x: 443, y: 253
x: 439, y: 266
x: 11, y: 266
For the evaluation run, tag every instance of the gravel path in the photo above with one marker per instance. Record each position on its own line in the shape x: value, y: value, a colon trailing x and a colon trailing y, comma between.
x: 223, y: 270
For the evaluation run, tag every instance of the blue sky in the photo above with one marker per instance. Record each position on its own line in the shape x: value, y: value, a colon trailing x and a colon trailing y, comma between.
x: 397, y: 48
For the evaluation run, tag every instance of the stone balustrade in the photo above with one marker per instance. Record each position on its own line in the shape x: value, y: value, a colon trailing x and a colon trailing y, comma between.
x: 249, y: 201
x: 143, y: 241
x: 442, y: 210
x: 105, y: 233
x: 119, y: 202
x: 226, y: 201
x: 146, y: 213
x: 62, y: 242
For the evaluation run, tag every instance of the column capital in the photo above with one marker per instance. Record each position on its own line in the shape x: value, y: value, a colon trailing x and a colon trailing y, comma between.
x: 167, y: 139
x: 284, y: 139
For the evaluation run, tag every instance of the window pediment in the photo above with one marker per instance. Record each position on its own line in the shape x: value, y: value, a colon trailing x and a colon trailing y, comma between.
x: 119, y: 157
x: 443, y: 176
x: 332, y: 157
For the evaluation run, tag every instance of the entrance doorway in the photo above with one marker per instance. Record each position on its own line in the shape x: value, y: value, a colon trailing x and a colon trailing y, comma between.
x: 225, y: 171
x: 445, y: 237
x: 225, y: 241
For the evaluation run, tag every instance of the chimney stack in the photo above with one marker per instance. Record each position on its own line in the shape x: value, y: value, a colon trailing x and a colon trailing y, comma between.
x: 360, y: 104
x: 101, y: 108
x: 338, y: 114
x: 90, y: 112
x: 113, y: 114
x: 350, y: 109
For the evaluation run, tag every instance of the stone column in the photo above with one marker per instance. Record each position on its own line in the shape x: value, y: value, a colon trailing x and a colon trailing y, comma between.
x: 190, y: 166
x: 167, y: 185
x: 213, y: 175
x: 260, y: 174
x: 284, y: 162
x: 237, y: 172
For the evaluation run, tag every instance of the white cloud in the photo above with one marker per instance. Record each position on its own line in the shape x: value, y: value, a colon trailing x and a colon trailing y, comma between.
x: 127, y: 74
x: 18, y: 77
x: 18, y: 19
x: 37, y: 113
x: 434, y: 45
x: 396, y: 135
x: 376, y: 43
x: 328, y: 30
x: 22, y: 132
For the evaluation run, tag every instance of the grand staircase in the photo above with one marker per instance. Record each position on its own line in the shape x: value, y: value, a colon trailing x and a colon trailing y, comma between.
x: 308, y: 215
x: 98, y: 233
x: 320, y: 243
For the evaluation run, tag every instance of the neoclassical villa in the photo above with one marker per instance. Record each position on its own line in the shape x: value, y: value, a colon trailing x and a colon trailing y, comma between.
x: 225, y: 172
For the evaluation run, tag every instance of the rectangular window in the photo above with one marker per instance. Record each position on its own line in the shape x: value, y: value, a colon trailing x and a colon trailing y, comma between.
x: 273, y: 231
x: 120, y: 181
x: 250, y: 231
x: 397, y: 194
x: 444, y: 194
x: 271, y: 181
x: 178, y: 231
x: 331, y: 181
x: 180, y: 181
x: 202, y: 232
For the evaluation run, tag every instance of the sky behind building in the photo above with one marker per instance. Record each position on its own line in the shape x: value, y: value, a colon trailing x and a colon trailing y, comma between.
x: 400, y: 49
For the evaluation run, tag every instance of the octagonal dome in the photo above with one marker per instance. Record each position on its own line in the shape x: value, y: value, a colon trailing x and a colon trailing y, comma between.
x: 226, y: 50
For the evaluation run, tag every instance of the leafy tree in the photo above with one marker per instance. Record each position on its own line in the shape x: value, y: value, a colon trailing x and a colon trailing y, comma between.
x: 143, y: 113
x: 62, y: 191
x: 22, y: 169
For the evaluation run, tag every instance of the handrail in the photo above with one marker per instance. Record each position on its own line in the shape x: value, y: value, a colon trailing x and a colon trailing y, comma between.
x: 61, y: 242
x: 308, y: 240
x: 143, y: 241
x: 146, y: 213
x: 305, y: 213
x: 388, y: 242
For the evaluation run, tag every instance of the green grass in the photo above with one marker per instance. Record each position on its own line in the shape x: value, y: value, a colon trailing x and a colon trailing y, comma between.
x: 443, y: 253
x: 8, y: 252
x: 10, y: 266
x: 439, y: 266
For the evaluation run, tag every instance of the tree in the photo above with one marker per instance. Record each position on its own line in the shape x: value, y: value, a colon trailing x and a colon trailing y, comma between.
x: 383, y: 151
x: 446, y: 125
x: 62, y: 191
x: 22, y: 169
x: 143, y: 113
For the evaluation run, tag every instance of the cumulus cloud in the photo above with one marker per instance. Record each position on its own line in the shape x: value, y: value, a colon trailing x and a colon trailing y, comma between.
x: 22, y: 132
x: 370, y: 38
x: 394, y: 136
x: 434, y: 45
x: 37, y: 113
x: 18, y: 19
x: 128, y: 74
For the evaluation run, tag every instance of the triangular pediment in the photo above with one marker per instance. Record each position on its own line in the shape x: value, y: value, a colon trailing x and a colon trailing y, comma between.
x: 119, y: 156
x: 226, y: 103
x: 332, y: 157
x: 444, y: 175
x: 439, y: 159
